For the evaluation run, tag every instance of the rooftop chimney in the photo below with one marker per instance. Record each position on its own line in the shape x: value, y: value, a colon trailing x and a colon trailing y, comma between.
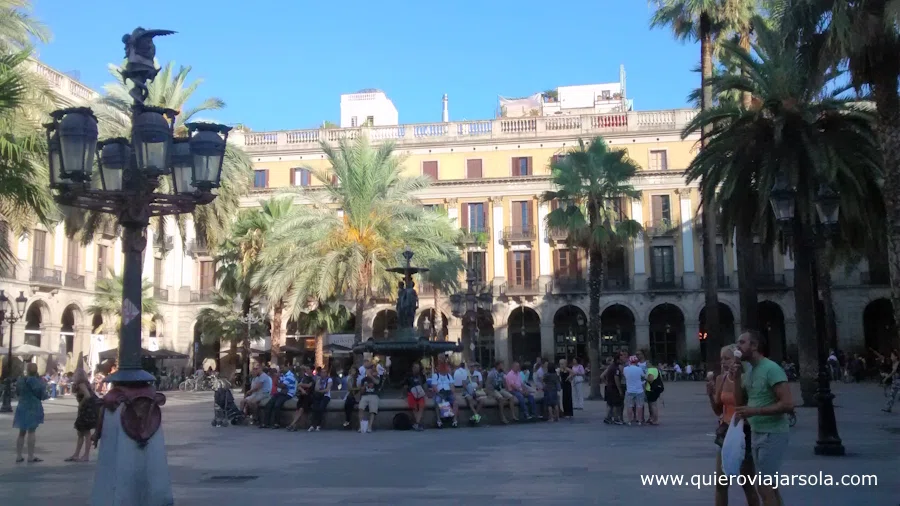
x: 445, y: 114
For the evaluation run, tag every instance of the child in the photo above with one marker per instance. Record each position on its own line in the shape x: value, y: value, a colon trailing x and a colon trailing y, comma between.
x: 551, y: 392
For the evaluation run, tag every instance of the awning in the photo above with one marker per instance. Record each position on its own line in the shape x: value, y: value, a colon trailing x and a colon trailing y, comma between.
x: 113, y: 354
x: 168, y: 354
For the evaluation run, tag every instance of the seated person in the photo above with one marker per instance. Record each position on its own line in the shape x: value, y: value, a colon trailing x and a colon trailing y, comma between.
x: 519, y: 391
x: 442, y: 385
x: 473, y: 391
x: 305, y: 387
x: 286, y: 389
x: 496, y: 387
x: 260, y: 391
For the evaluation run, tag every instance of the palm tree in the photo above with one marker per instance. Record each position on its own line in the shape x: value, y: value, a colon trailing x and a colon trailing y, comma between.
x: 108, y: 302
x: 219, y: 322
x: 866, y: 35
x: 325, y: 318
x: 318, y: 253
x: 698, y: 20
x: 171, y: 89
x: 794, y: 129
x: 24, y: 196
x: 591, y: 181
x: 18, y: 29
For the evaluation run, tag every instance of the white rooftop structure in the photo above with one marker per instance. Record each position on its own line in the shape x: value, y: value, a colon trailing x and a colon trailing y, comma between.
x: 580, y: 99
x: 368, y: 107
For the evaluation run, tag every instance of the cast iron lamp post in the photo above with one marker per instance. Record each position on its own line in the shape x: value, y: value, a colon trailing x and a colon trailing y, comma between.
x: 129, y: 184
x: 10, y: 315
x: 466, y: 306
x: 783, y: 200
x: 249, y: 320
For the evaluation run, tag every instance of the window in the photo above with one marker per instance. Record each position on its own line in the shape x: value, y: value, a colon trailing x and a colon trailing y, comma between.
x: 260, y: 178
x: 618, y: 207
x: 660, y: 209
x: 567, y: 264
x: 555, y: 159
x: 370, y: 121
x: 521, y: 166
x: 473, y: 169
x: 39, y: 248
x: 521, y: 215
x: 101, y: 261
x: 521, y: 268
x: 207, y: 275
x: 658, y: 159
x: 430, y: 207
x: 765, y: 262
x: 302, y: 177
x: 430, y: 169
x: 663, y: 264
x: 605, y: 94
x: 473, y: 217
x: 720, y: 262
x: 616, y: 267
x: 72, y: 257
x: 157, y: 272
x: 475, y: 262
x: 354, y: 122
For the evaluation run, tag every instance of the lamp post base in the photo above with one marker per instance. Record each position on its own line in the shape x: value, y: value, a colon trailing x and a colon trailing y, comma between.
x: 828, y: 442
x: 6, y: 405
x: 132, y: 467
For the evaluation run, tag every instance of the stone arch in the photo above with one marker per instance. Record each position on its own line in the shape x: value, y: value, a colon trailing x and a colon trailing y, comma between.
x: 879, y: 328
x: 384, y: 324
x: 37, y: 317
x: 524, y: 327
x: 70, y: 322
x: 97, y: 324
x: 770, y: 316
x: 726, y: 328
x: 667, y: 339
x: 617, y: 330
x: 635, y: 314
x: 432, y: 324
x: 570, y: 332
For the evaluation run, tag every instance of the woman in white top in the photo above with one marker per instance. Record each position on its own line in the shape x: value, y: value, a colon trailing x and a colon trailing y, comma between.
x: 577, y: 384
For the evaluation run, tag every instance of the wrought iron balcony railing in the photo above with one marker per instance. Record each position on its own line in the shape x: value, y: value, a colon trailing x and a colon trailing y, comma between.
x: 658, y: 228
x: 476, y: 236
x: 770, y: 280
x: 662, y: 284
x: 204, y: 295
x: 723, y: 282
x: 565, y: 285
x: 161, y: 294
x: 523, y: 233
x: 74, y: 280
x: 45, y: 276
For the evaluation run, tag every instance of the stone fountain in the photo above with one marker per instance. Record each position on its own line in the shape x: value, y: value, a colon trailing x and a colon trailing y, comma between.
x: 404, y: 345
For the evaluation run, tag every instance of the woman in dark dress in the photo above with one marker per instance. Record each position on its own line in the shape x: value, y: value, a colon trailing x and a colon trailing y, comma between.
x: 564, y: 374
x: 88, y: 415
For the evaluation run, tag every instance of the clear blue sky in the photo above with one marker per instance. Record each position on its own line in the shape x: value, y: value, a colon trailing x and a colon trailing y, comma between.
x: 285, y: 67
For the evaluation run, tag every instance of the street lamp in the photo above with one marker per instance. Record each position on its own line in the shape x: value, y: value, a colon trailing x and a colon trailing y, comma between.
x: 466, y: 306
x: 249, y: 320
x: 130, y: 175
x: 11, y: 315
x: 784, y: 204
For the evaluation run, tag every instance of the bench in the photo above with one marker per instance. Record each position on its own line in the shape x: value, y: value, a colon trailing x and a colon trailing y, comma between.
x: 390, y: 407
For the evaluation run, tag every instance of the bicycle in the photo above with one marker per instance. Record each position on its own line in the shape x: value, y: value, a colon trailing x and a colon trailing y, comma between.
x: 188, y: 385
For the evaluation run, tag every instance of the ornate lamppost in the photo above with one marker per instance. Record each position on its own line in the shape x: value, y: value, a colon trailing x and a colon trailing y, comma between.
x: 783, y: 199
x: 249, y: 319
x: 10, y: 315
x: 132, y: 467
x: 466, y: 306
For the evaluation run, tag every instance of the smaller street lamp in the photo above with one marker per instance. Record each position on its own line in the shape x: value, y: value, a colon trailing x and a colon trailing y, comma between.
x: 783, y: 201
x: 10, y: 315
x: 466, y: 306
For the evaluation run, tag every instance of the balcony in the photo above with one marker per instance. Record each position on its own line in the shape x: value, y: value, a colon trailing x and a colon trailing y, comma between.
x: 660, y: 228
x: 74, y: 280
x: 108, y: 229
x: 425, y: 289
x: 521, y: 287
x: 476, y: 236
x: 616, y: 284
x: 8, y: 271
x: 46, y: 277
x: 523, y: 233
x: 69, y: 91
x: 558, y: 234
x: 204, y: 295
x: 671, y: 284
x: 163, y: 243
x: 197, y: 247
x: 568, y: 286
x: 875, y: 278
x: 723, y: 282
x: 585, y: 125
x: 161, y: 294
x: 770, y: 281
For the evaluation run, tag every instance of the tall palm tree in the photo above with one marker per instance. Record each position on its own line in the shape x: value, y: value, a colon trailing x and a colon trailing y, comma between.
x: 795, y: 129
x: 171, y: 89
x: 318, y: 253
x: 24, y: 196
x: 866, y: 35
x: 325, y: 317
x: 591, y: 180
x: 219, y: 322
x: 18, y: 28
x: 108, y: 302
x: 699, y: 20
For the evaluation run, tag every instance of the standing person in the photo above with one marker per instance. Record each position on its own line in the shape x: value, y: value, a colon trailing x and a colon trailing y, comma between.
x: 415, y: 394
x: 53, y: 381
x: 88, y: 415
x: 577, y: 384
x: 352, y: 398
x: 321, y: 398
x: 768, y: 404
x: 565, y: 380
x: 368, y: 402
x: 634, y: 391
x: 893, y: 379
x: 30, y: 412
x: 652, y: 391
x: 725, y: 395
x: 551, y: 392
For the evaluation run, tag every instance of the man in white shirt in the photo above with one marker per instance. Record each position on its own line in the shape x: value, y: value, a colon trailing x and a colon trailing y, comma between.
x: 677, y: 371
x: 461, y: 376
x: 472, y: 386
x: 634, y: 390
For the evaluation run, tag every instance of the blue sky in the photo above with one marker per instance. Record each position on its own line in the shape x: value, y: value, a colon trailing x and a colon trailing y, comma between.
x: 284, y: 67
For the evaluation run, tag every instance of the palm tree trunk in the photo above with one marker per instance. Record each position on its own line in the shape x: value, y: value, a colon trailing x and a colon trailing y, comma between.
x: 804, y: 301
x: 887, y: 101
x: 595, y: 289
x: 746, y: 96
x: 277, y: 314
x: 245, y: 356
x: 710, y: 269
x: 746, y: 272
x: 320, y: 349
x: 824, y: 272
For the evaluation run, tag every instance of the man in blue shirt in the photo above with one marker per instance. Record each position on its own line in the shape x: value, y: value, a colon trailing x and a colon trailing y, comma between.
x: 287, y: 387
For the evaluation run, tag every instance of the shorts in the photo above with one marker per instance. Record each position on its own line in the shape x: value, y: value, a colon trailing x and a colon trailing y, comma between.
x: 369, y: 403
x: 414, y: 403
x: 258, y: 397
x: 551, y: 398
x: 613, y: 397
x: 445, y: 395
x: 634, y: 400
x: 768, y: 450
x: 304, y: 402
x: 501, y: 395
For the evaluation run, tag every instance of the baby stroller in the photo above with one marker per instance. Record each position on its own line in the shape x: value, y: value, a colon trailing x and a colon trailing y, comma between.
x: 225, y: 410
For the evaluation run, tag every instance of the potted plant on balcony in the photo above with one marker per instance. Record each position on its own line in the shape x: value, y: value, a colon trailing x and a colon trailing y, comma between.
x: 480, y: 239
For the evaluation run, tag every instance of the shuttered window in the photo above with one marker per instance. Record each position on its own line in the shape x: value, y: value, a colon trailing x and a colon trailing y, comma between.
x: 473, y: 169
x: 521, y: 166
x: 430, y: 169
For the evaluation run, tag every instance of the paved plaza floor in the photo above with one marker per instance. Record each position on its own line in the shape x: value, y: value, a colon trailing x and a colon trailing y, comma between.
x: 574, y: 462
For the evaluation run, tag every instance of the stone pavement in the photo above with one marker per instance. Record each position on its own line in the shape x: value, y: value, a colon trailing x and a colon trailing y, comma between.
x: 578, y: 462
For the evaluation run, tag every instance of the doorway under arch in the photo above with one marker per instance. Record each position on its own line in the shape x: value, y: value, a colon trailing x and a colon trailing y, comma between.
x: 570, y: 333
x: 433, y: 325
x: 384, y: 325
x: 34, y: 322
x: 616, y: 331
x: 667, y: 339
x: 879, y: 327
x: 771, y: 326
x: 67, y: 330
x: 524, y: 327
x: 726, y: 329
x: 485, y: 352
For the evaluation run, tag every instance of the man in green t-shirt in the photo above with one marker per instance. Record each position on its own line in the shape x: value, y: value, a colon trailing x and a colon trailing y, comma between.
x: 768, y: 402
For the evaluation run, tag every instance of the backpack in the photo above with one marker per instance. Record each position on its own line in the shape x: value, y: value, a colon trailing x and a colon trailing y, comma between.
x: 656, y: 386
